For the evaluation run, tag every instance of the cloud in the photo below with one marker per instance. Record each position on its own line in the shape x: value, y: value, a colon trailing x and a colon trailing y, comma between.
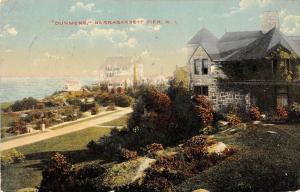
x: 142, y: 26
x: 117, y: 37
x: 2, y: 1
x: 82, y: 7
x: 182, y: 50
x: 291, y: 24
x: 79, y: 33
x: 111, y: 34
x: 10, y: 30
x: 146, y: 53
x: 53, y: 57
x: 246, y: 4
x: 131, y: 43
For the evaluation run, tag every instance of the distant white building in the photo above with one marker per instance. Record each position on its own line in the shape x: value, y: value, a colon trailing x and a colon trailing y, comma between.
x: 122, y: 71
x: 156, y: 80
x: 72, y: 86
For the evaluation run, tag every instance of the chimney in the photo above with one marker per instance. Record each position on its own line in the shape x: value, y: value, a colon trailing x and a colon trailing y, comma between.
x: 270, y: 19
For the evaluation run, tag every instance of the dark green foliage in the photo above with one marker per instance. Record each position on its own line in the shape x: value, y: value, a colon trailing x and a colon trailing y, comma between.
x: 24, y: 104
x: 122, y: 100
x: 87, y: 106
x: 58, y: 176
x: 76, y: 102
x: 156, y: 119
x: 294, y: 112
x: 104, y: 98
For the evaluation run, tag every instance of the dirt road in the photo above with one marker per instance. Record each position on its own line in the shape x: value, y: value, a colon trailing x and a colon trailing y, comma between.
x: 65, y: 130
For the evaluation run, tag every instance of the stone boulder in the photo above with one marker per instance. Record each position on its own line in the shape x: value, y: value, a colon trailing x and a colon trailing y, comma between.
x: 218, y: 148
x: 222, y: 123
x: 126, y: 173
x: 200, y: 190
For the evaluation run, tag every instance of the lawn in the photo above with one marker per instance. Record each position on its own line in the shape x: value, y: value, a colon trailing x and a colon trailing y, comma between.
x: 117, y: 122
x: 267, y: 160
x: 28, y: 174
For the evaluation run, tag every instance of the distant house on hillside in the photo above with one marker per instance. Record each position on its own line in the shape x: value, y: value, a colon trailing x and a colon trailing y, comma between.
x: 122, y: 71
x: 245, y: 68
x: 72, y: 86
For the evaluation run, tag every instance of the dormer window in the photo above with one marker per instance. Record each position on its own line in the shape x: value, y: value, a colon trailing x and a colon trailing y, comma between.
x: 204, y: 66
x: 197, y: 66
x: 201, y: 66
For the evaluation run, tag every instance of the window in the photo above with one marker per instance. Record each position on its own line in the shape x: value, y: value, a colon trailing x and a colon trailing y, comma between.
x: 288, y: 65
x: 204, y: 66
x: 201, y: 90
x: 282, y: 97
x: 274, y: 66
x: 197, y: 66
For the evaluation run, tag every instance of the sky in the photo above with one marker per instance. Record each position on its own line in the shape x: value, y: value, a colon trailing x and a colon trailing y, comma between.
x: 33, y: 43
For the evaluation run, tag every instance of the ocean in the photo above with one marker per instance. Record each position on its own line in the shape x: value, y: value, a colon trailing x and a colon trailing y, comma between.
x: 16, y: 88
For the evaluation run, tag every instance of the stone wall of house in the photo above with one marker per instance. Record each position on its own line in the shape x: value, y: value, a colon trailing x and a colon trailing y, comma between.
x: 221, y: 99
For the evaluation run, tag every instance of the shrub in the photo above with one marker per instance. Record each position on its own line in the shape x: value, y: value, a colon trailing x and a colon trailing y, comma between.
x: 154, y: 147
x: 18, y: 127
x: 24, y: 104
x: 203, y: 109
x: 294, y: 112
x: 194, y: 148
x: 282, y: 113
x: 233, y: 119
x: 129, y: 155
x: 120, y: 90
x: 11, y: 156
x: 111, y: 107
x: 104, y: 98
x: 58, y: 175
x: 122, y: 100
x: 254, y: 113
x: 95, y: 110
x: 152, y: 111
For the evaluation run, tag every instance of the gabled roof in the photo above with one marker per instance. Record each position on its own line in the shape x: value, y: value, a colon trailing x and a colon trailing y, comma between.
x: 207, y: 40
x: 235, y: 40
x: 261, y: 47
x: 203, y: 35
x: 243, y: 45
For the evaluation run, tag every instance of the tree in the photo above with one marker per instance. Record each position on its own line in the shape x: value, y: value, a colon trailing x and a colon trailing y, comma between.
x: 58, y: 175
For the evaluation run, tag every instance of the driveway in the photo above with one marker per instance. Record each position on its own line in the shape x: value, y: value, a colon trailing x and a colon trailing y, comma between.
x: 61, y: 131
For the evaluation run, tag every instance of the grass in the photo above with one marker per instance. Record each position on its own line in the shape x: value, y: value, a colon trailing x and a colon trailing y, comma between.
x: 117, y: 122
x: 28, y: 174
x: 266, y: 161
x: 5, y: 105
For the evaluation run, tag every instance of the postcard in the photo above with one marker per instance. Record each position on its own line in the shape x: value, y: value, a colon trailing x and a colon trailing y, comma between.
x: 150, y: 96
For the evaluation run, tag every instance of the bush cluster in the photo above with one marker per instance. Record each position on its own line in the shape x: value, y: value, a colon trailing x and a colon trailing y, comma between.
x: 154, y: 147
x: 282, y: 113
x: 129, y: 155
x: 11, y: 156
x: 254, y: 113
x: 294, y: 112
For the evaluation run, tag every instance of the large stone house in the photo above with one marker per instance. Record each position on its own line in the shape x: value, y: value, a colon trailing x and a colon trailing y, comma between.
x: 245, y: 68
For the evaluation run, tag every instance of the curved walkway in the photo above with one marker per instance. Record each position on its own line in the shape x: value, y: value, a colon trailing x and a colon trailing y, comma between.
x: 65, y: 130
